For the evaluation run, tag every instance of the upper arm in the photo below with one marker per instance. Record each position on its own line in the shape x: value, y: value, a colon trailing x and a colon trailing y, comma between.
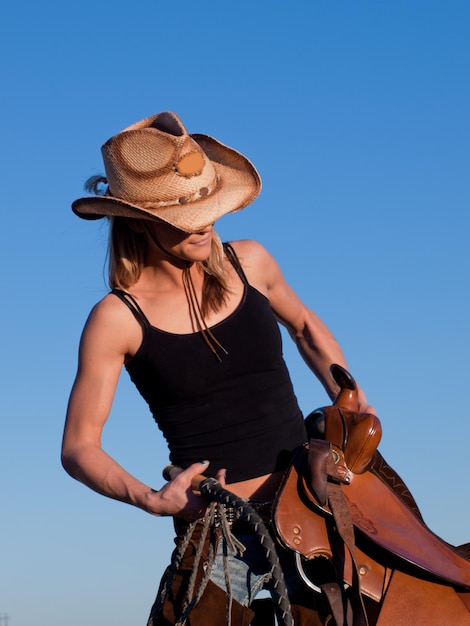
x: 103, y: 346
x: 313, y: 338
x: 264, y: 273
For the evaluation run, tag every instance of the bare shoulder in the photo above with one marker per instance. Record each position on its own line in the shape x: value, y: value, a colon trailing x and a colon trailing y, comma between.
x: 109, y: 311
x: 259, y: 265
x: 253, y: 255
x: 264, y: 273
x: 111, y: 327
x: 249, y: 250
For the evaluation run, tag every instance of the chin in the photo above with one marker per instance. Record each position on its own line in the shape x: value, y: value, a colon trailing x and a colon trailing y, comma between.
x: 199, y: 251
x: 202, y: 256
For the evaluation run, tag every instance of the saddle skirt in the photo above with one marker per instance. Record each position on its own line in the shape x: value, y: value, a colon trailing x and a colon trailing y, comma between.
x: 389, y: 532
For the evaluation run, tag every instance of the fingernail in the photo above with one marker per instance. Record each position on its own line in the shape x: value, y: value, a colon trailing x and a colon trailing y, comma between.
x: 204, y: 462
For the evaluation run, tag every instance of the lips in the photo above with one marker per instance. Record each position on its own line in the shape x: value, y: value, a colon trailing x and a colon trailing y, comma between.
x: 203, y: 241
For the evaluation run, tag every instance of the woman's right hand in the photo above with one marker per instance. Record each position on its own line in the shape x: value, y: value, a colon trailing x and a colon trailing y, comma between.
x: 109, y: 335
x: 178, y: 498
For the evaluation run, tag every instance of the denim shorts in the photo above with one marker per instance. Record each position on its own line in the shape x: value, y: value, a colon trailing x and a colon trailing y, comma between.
x: 249, y: 573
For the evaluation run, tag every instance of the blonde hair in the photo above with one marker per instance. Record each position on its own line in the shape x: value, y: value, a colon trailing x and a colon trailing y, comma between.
x: 127, y: 250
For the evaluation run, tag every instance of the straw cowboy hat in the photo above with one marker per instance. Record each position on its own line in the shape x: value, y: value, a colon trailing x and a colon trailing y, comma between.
x: 156, y: 170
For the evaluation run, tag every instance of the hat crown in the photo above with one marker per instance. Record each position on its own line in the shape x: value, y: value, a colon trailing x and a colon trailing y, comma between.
x: 155, y: 161
x: 156, y: 170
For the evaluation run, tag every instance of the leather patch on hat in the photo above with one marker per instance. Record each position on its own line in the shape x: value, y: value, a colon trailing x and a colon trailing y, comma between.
x: 190, y: 165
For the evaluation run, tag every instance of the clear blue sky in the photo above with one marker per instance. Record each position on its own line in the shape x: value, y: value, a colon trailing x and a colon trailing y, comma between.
x: 356, y: 113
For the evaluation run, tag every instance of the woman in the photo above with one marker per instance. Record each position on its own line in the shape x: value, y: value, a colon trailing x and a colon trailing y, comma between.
x: 195, y: 325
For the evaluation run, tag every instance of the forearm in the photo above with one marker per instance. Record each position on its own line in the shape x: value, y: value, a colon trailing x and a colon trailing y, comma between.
x: 92, y: 466
x: 319, y: 349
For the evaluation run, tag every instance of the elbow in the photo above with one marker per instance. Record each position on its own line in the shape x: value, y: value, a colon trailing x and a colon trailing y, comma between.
x: 79, y: 457
x: 68, y: 462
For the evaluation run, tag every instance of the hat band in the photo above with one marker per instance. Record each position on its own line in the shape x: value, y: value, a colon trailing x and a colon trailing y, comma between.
x: 200, y: 194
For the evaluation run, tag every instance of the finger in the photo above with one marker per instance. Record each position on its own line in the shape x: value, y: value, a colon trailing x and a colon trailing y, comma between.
x: 221, y: 476
x: 194, y: 471
x: 171, y: 472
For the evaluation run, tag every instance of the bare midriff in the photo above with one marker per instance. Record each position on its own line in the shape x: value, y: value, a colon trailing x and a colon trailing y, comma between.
x: 259, y: 488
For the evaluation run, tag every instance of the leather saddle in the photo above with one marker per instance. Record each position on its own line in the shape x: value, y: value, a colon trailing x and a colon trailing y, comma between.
x: 340, y: 500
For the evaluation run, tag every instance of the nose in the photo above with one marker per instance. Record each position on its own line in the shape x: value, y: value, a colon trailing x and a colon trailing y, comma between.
x: 207, y: 229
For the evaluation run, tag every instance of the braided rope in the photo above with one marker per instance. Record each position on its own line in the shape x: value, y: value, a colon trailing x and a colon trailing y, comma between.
x: 220, y: 498
x: 190, y: 599
x: 213, y: 490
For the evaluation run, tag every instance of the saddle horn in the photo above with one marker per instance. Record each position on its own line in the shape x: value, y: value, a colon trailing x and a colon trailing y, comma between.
x: 347, y: 397
x: 354, y: 436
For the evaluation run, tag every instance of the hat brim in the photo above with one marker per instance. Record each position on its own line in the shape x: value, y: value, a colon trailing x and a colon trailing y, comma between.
x: 238, y: 184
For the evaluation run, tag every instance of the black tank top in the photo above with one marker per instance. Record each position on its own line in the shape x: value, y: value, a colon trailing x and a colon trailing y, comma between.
x: 239, y: 413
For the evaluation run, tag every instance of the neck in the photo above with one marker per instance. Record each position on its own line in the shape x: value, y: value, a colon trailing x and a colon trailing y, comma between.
x: 166, y: 275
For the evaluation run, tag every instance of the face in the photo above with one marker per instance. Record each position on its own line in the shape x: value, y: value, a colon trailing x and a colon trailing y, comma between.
x: 186, y: 246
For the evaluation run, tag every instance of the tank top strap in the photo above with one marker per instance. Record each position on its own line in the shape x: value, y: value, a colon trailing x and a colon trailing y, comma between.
x: 235, y: 261
x: 131, y: 303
